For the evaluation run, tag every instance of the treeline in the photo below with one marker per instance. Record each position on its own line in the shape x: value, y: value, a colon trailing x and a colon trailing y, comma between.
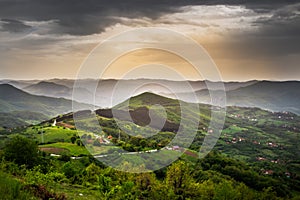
x: 27, y: 173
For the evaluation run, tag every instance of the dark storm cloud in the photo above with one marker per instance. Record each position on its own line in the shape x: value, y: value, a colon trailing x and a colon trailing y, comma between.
x: 284, y: 22
x: 278, y: 35
x: 14, y: 26
x: 78, y: 17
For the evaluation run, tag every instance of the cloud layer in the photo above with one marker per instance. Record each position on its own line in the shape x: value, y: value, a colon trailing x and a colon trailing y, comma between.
x: 238, y: 34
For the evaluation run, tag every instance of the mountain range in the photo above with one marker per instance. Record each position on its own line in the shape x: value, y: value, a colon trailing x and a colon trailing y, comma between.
x: 54, y: 97
x: 270, y: 95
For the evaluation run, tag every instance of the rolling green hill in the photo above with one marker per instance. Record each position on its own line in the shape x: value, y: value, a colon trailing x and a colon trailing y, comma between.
x: 248, y: 133
x: 148, y: 99
x: 276, y: 133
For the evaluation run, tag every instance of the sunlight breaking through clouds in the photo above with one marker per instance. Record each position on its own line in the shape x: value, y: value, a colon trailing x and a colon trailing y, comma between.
x: 235, y: 35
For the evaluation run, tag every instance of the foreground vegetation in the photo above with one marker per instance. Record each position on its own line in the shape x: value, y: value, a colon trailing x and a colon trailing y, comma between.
x: 214, y: 177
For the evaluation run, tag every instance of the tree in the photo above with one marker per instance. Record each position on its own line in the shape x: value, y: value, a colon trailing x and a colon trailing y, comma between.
x: 225, y: 190
x: 143, y: 143
x: 22, y: 151
x: 145, y: 183
x: 179, y: 179
x: 78, y: 142
x: 135, y: 141
x: 92, y: 173
x: 152, y: 144
x: 73, y: 139
x: 71, y: 169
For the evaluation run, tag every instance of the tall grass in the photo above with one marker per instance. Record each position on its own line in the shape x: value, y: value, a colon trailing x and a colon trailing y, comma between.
x: 11, y: 189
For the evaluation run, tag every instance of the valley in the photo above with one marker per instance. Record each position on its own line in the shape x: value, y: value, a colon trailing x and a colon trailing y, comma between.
x: 84, y: 154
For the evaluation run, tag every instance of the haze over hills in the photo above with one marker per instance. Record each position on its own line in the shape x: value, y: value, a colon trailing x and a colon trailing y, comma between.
x: 13, y: 99
x: 20, y: 84
x: 108, y: 92
x: 52, y: 89
x: 48, y: 89
x: 274, y: 96
x: 176, y: 86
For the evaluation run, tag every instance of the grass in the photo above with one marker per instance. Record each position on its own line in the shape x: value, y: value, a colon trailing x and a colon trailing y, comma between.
x: 73, y: 149
x: 51, y: 134
x: 234, y: 129
x: 11, y: 188
x: 77, y: 192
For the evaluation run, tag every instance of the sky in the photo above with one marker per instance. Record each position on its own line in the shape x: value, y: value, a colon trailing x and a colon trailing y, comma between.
x: 247, y: 40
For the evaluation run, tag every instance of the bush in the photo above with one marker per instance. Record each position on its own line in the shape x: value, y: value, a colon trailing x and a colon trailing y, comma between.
x: 22, y: 151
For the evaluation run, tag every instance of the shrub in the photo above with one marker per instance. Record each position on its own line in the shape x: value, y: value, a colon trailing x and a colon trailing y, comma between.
x: 22, y: 151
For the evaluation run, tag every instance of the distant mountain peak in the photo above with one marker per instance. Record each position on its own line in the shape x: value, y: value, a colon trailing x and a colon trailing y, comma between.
x: 8, y: 91
x: 148, y: 99
x: 47, y: 84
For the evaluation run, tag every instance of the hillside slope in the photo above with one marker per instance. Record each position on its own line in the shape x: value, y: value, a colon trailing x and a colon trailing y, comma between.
x: 250, y: 134
x: 52, y: 89
x: 13, y: 99
x: 20, y: 118
x: 48, y: 89
x: 273, y: 96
